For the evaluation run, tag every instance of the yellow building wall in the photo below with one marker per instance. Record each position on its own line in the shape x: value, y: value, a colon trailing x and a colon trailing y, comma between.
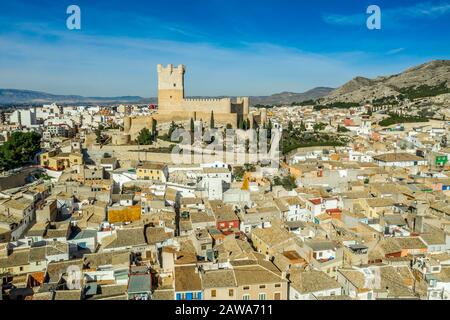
x: 128, y: 214
x: 149, y: 174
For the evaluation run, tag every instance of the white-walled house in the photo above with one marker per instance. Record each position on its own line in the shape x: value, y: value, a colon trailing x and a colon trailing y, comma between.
x: 314, y: 206
x: 400, y: 160
x: 309, y: 285
x: 293, y: 209
x: 355, y: 284
x: 359, y: 157
x: 321, y: 250
x: 84, y: 240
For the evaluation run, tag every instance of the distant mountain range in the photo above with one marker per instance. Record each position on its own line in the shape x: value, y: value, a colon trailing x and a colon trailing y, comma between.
x: 14, y: 96
x: 11, y: 96
x: 433, y: 76
x: 290, y: 97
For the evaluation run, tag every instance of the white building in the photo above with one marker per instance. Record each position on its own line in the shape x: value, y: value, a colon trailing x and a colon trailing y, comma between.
x: 24, y: 117
x: 401, y: 160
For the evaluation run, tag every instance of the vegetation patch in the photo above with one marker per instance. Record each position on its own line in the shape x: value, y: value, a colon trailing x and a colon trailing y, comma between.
x: 337, y: 105
x: 424, y: 91
x: 395, y: 118
x: 19, y: 150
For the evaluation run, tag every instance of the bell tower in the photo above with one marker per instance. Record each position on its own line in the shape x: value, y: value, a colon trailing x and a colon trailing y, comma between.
x: 170, y: 87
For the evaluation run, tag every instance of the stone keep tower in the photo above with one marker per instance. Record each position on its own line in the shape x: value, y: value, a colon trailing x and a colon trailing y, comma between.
x: 170, y: 86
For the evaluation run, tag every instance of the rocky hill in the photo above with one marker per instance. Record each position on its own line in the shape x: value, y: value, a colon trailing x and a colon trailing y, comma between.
x: 429, y: 79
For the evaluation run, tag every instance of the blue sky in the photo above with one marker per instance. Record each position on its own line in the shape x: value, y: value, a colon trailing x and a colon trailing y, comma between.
x: 230, y: 47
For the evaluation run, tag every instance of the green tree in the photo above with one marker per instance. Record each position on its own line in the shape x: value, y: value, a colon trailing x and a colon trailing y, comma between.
x: 145, y: 137
x: 192, y: 126
x: 19, y: 150
x: 319, y: 126
x: 302, y: 126
x: 172, y: 128
x: 154, y: 129
x: 444, y: 142
x: 238, y: 172
x: 396, y: 118
x: 290, y: 126
x: 269, y: 130
x: 288, y: 182
x: 342, y: 129
x: 99, y: 137
x: 241, y: 125
x: 212, y: 126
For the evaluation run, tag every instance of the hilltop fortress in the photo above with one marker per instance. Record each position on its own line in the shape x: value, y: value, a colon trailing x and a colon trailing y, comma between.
x: 173, y: 106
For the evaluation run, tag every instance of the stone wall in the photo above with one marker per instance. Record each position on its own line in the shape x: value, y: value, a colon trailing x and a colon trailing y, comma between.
x: 17, y: 179
x: 137, y: 124
x: 129, y: 156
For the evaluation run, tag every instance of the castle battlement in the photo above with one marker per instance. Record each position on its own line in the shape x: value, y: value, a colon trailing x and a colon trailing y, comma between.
x: 208, y: 100
x: 171, y: 69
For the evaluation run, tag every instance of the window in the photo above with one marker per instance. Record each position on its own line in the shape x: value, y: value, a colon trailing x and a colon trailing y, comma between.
x: 262, y: 286
x: 213, y: 293
x: 262, y: 296
x: 246, y: 288
x: 230, y: 292
x: 277, y: 296
x: 246, y: 297
x: 278, y: 285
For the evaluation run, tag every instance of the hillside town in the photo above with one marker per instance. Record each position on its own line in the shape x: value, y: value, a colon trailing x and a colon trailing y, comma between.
x: 93, y: 207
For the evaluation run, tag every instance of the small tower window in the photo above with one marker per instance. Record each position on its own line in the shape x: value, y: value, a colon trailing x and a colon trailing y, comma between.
x: 174, y: 85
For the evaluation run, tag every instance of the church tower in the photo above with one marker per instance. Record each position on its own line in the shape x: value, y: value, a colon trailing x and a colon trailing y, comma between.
x: 170, y: 86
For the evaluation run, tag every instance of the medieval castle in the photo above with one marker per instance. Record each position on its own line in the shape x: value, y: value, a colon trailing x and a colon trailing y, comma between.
x: 173, y: 106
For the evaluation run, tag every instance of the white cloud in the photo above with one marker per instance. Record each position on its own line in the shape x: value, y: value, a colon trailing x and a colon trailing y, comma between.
x: 425, y: 10
x: 80, y: 63
x: 395, y: 51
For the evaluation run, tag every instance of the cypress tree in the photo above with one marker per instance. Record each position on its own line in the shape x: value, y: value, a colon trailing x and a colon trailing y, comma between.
x: 212, y: 120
